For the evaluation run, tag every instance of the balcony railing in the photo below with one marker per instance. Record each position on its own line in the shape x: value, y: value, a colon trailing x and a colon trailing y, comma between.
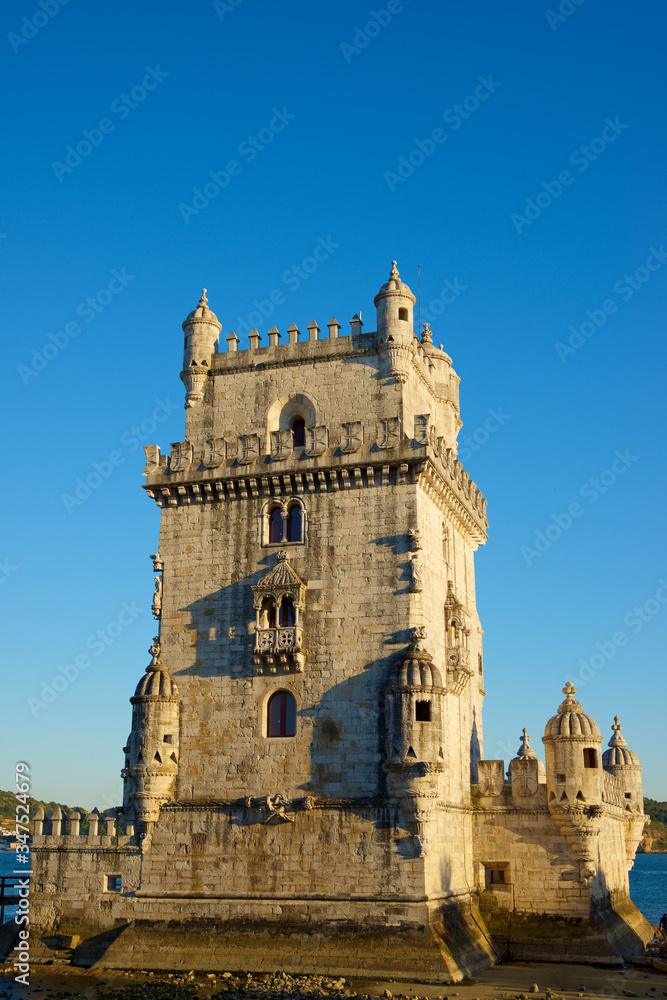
x: 286, y: 639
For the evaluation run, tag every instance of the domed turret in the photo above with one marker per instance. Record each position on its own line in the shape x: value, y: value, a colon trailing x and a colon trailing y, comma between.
x: 526, y: 770
x: 394, y: 305
x: 151, y: 762
x: 201, y: 330
x: 624, y: 763
x: 571, y: 720
x: 571, y: 741
x: 414, y: 710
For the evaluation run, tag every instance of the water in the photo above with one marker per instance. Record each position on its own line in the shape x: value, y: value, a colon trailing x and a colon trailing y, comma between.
x: 9, y: 866
x: 648, y: 883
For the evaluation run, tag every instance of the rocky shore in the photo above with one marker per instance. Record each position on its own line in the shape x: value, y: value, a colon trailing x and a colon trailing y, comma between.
x: 508, y: 981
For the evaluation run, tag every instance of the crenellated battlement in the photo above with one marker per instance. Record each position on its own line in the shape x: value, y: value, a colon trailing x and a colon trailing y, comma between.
x: 58, y: 829
x: 428, y: 362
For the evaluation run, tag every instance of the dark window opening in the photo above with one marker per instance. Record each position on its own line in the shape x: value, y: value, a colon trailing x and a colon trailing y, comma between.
x: 294, y: 523
x: 168, y: 738
x: 402, y: 313
x: 479, y: 663
x: 281, y: 714
x: 299, y: 433
x: 495, y: 876
x: 275, y: 525
x: 113, y: 883
x: 590, y: 757
x: 560, y: 779
x: 287, y: 617
x: 423, y: 711
x: 628, y: 795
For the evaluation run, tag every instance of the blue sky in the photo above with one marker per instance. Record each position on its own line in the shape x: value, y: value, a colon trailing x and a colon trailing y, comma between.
x: 516, y: 156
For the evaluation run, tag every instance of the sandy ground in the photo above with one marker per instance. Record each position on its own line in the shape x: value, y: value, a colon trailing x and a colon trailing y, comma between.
x: 503, y: 982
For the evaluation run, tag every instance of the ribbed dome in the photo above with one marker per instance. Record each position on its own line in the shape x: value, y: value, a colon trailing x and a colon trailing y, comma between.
x: 571, y: 719
x: 202, y: 311
x: 619, y: 755
x: 282, y: 576
x: 156, y: 683
x: 416, y: 670
x: 394, y: 285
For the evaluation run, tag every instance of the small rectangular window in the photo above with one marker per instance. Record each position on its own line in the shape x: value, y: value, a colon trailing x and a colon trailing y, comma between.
x: 628, y: 795
x: 560, y: 779
x: 113, y: 883
x: 168, y: 738
x: 423, y: 711
x: 496, y: 874
x: 590, y: 757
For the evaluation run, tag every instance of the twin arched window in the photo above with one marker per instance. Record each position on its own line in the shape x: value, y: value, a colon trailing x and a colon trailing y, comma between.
x: 288, y: 528
x: 284, y: 616
x: 281, y: 714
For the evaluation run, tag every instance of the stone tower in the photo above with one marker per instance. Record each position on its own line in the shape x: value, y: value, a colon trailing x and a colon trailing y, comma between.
x: 304, y: 779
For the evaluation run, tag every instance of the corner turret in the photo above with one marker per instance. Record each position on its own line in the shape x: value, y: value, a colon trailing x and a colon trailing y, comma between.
x: 572, y: 748
x: 201, y: 330
x: 394, y: 304
x: 622, y: 762
x: 414, y: 737
x: 151, y: 762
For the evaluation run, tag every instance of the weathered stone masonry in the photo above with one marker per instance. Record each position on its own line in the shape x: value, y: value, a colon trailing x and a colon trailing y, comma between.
x: 304, y: 779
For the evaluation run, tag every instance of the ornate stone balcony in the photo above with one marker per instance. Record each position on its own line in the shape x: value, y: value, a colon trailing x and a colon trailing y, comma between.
x: 274, y: 646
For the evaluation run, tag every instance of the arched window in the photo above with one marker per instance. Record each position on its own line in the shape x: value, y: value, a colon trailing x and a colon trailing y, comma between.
x: 299, y: 433
x: 267, y: 614
x: 275, y: 525
x: 294, y: 523
x: 281, y: 714
x: 287, y: 617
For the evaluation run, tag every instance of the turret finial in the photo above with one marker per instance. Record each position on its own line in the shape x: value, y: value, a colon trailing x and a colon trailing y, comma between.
x: 427, y: 336
x: 525, y: 750
x: 617, y: 740
x: 394, y: 270
x: 203, y: 302
x: 154, y: 650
